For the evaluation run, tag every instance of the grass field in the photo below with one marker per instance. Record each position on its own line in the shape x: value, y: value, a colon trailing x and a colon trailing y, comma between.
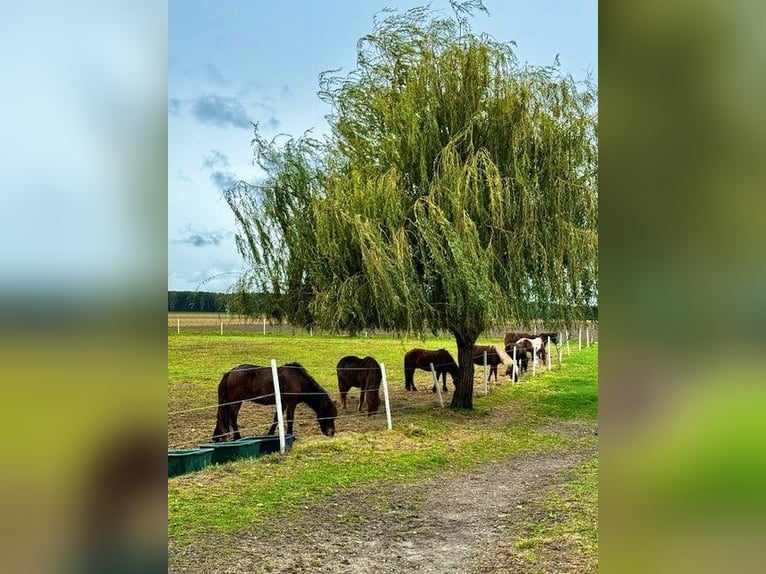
x: 425, y: 439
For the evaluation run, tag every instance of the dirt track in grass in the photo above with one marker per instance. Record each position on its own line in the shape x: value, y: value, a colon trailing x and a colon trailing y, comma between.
x: 457, y: 521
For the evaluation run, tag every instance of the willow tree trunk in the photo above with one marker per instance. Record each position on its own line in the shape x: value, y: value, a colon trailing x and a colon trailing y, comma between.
x: 462, y: 398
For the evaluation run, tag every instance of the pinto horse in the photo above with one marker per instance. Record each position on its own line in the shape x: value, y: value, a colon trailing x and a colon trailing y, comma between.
x: 527, y: 343
x: 422, y: 359
x: 364, y: 374
x: 495, y: 356
x: 513, y: 337
x: 553, y: 337
x: 255, y: 383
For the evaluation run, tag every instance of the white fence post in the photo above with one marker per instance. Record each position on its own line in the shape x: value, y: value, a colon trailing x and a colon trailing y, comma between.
x: 515, y: 372
x: 485, y: 374
x: 385, y: 394
x: 548, y: 353
x: 579, y: 338
x: 264, y: 325
x: 278, y: 400
x: 559, y: 350
x: 436, y: 384
x: 569, y: 352
x: 221, y: 327
x: 178, y: 325
x: 587, y: 335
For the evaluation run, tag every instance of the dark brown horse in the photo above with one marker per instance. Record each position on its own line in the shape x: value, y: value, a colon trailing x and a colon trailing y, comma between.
x: 364, y: 374
x: 521, y: 355
x: 495, y: 356
x: 255, y: 383
x: 422, y: 359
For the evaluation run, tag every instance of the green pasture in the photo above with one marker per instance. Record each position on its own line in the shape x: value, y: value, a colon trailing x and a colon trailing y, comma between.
x: 425, y: 438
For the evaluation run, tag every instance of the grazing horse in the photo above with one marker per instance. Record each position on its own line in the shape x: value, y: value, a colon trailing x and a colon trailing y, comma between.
x: 495, y: 356
x: 255, y: 383
x: 363, y: 373
x: 528, y: 342
x: 521, y: 355
x: 513, y: 336
x: 422, y: 359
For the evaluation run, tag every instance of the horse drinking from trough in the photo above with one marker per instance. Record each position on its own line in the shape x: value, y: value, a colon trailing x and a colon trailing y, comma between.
x: 495, y: 356
x: 422, y: 359
x: 255, y: 383
x: 364, y: 374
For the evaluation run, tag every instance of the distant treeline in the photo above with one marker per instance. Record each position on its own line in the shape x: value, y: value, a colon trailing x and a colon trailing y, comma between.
x: 249, y: 304
x: 202, y: 301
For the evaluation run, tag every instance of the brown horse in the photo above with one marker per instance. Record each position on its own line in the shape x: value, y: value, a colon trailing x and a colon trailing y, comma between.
x: 513, y: 336
x: 364, y: 374
x: 422, y: 359
x: 255, y: 383
x: 495, y: 356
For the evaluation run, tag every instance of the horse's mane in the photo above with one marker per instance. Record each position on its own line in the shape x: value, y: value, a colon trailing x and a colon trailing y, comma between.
x: 303, y: 370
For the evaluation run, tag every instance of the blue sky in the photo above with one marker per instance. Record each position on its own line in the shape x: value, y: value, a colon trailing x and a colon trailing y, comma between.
x: 231, y: 62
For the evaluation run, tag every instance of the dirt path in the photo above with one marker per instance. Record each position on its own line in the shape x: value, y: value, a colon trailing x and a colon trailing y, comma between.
x: 451, y: 523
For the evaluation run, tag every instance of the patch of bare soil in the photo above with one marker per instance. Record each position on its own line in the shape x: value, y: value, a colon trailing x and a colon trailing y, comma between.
x: 455, y: 522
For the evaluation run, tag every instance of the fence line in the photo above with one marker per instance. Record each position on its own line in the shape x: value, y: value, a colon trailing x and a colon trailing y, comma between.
x: 205, y: 436
x: 344, y: 414
x: 212, y: 321
x: 319, y: 393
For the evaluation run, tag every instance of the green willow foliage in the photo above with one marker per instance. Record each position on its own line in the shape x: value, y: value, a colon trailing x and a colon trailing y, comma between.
x: 457, y: 190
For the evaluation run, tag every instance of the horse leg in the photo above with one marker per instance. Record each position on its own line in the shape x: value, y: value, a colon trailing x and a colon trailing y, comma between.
x: 343, y: 398
x: 444, y: 381
x: 234, y: 414
x: 362, y: 398
x: 221, y: 424
x: 274, y: 424
x: 290, y: 416
x: 409, y: 380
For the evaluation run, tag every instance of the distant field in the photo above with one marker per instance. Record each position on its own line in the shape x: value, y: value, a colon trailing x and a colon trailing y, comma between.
x: 211, y: 322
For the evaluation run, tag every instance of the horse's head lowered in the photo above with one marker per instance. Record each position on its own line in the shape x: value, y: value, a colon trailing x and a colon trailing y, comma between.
x: 326, y: 415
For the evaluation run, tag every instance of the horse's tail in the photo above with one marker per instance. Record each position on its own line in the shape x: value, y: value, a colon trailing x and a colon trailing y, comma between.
x: 223, y: 420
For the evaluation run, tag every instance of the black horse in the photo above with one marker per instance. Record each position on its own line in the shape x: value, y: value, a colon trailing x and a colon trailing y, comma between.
x: 255, y: 383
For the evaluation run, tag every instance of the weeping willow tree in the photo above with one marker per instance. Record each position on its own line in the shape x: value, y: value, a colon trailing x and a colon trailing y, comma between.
x: 457, y: 191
